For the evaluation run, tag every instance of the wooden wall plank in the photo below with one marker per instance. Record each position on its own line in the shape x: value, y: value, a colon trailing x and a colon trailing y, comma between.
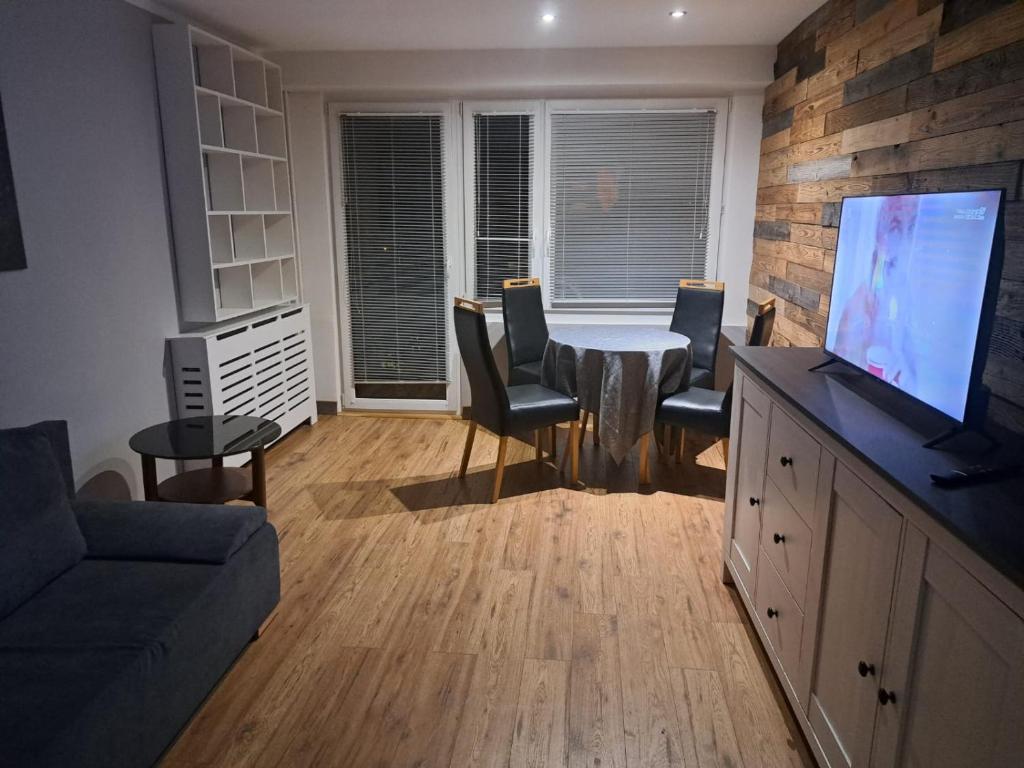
x: 894, y: 130
x: 1001, y: 104
x: 911, y: 35
x: 992, y: 31
x: 895, y: 72
x: 776, y: 141
x: 779, y: 122
x: 1004, y: 65
x: 820, y: 105
x: 831, y: 76
x: 772, y: 230
x: 982, y: 145
x: 881, y: 23
x: 836, y: 167
x: 780, y: 85
x: 886, y: 104
x: 957, y: 13
x: 990, y: 176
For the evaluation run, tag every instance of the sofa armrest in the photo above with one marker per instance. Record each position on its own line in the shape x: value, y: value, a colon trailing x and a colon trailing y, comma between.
x: 152, y: 530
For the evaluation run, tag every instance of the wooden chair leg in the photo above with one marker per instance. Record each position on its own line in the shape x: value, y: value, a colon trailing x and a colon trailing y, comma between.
x: 725, y: 451
x: 583, y: 426
x: 574, y: 449
x: 597, y: 427
x: 554, y: 442
x: 468, y: 449
x: 680, y: 446
x: 538, y: 450
x: 645, y: 459
x: 499, y: 468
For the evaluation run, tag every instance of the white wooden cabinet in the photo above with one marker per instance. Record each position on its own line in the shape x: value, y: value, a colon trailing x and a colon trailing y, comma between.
x: 890, y: 646
x: 954, y: 669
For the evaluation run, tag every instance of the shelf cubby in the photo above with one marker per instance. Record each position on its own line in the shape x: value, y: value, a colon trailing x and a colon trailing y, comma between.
x: 282, y: 189
x: 270, y: 135
x: 233, y: 287
x: 258, y: 182
x: 212, y: 65
x: 211, y: 130
x: 248, y: 237
x: 289, y: 279
x: 250, y: 77
x: 231, y: 212
x: 221, y: 241
x: 239, y: 128
x: 279, y: 235
x: 266, y: 283
x: 224, y: 181
x: 275, y: 98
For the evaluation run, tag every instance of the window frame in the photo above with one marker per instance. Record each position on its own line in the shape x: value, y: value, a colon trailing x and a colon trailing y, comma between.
x: 451, y: 166
x: 470, y: 108
x: 716, y: 199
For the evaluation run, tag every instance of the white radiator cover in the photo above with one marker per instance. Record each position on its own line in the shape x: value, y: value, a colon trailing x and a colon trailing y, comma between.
x: 262, y: 366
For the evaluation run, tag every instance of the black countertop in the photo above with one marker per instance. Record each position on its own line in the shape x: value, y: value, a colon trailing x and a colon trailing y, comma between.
x: 988, y: 518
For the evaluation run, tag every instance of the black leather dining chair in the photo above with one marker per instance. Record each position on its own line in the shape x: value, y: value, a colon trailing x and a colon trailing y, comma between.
x: 706, y: 410
x: 503, y: 410
x: 698, y: 315
x: 526, y: 330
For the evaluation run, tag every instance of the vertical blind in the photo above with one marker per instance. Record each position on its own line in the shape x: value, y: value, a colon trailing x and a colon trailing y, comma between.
x: 628, y: 203
x: 392, y: 170
x: 503, y: 154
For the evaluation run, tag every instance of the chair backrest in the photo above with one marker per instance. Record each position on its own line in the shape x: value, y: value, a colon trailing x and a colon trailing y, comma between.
x: 698, y: 315
x: 490, y: 400
x: 764, y: 321
x: 760, y: 336
x: 526, y: 330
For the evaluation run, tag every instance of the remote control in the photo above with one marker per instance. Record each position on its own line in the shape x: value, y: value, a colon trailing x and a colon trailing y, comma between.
x: 978, y: 473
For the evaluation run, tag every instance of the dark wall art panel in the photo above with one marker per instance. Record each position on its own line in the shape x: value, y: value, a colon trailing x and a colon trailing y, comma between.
x: 12, y: 248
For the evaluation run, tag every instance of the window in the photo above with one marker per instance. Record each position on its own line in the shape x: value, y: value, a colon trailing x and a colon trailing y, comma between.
x: 630, y: 202
x: 393, y: 179
x: 501, y: 146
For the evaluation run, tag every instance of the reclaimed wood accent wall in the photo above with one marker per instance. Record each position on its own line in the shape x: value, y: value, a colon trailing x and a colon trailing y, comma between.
x: 888, y: 96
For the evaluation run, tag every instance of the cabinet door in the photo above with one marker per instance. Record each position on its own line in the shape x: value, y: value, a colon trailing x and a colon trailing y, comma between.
x: 860, y: 570
x: 955, y: 664
x: 752, y: 406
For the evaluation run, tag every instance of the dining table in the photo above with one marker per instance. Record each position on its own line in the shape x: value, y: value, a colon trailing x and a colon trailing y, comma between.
x: 617, y: 372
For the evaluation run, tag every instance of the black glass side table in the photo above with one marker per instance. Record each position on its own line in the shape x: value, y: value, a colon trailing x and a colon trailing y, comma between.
x: 206, y: 437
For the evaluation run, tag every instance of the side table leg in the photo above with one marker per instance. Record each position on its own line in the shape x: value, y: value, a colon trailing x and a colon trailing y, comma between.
x: 259, y: 477
x: 149, y: 478
x: 217, y: 461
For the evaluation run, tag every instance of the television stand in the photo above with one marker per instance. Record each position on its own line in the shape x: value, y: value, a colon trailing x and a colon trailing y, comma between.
x: 824, y: 364
x: 956, y: 431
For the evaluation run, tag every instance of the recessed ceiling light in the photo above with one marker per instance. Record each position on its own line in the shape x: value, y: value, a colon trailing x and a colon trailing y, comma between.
x: 677, y: 14
x: 547, y: 18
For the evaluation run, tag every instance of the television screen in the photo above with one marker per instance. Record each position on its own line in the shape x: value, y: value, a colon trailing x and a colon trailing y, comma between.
x: 909, y: 287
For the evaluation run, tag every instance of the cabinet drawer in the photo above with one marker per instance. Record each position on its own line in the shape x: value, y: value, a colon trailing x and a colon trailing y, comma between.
x: 793, y: 458
x: 785, y: 624
x: 787, y: 541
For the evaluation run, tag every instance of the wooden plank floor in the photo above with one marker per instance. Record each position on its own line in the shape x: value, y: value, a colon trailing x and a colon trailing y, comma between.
x: 419, y: 626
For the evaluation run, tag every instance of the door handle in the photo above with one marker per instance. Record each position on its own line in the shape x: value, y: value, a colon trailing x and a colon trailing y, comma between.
x: 865, y: 669
x: 778, y: 538
x: 786, y: 461
x: 886, y: 697
x: 754, y: 502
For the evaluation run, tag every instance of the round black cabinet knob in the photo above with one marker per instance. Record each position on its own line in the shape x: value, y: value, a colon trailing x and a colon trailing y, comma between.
x: 778, y: 538
x: 785, y: 461
x: 772, y: 613
x: 754, y: 501
x: 886, y: 697
x: 865, y: 669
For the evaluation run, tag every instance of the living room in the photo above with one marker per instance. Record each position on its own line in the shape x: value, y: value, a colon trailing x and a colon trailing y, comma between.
x: 550, y: 383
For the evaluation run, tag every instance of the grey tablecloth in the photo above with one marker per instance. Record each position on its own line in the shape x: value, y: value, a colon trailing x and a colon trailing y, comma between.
x: 617, y: 372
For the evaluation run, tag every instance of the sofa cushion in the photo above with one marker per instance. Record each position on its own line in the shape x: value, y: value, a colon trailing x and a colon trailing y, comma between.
x: 152, y: 530
x: 39, y: 537
x: 56, y: 432
x: 105, y: 665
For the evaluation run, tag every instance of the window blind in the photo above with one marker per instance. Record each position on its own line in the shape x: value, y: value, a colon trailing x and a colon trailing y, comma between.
x: 392, y: 170
x: 503, y: 152
x: 629, y: 199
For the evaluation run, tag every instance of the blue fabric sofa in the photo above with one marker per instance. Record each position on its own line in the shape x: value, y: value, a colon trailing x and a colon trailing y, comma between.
x: 117, y: 619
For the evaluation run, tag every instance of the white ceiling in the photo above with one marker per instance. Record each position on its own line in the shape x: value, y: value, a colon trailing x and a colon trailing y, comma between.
x: 482, y: 24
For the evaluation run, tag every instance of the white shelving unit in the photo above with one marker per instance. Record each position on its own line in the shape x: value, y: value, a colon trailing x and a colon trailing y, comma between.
x: 227, y: 169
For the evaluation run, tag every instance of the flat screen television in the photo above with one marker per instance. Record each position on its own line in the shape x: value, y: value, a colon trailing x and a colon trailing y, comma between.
x: 914, y: 290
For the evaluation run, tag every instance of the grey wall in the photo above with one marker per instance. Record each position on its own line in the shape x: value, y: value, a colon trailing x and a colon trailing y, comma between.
x: 82, y: 330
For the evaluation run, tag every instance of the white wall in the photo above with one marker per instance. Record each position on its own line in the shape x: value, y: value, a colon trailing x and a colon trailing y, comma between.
x: 316, y: 78
x: 83, y: 328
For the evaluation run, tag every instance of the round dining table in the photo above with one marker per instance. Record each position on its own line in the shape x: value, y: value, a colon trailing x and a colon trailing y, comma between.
x: 617, y: 372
